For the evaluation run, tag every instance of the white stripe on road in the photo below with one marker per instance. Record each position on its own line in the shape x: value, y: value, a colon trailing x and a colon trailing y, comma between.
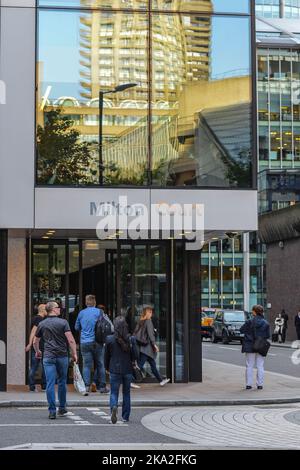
x: 231, y: 349
x: 62, y: 424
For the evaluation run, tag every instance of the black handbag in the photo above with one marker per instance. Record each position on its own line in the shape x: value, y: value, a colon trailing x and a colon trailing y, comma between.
x: 141, y: 336
x: 261, y: 345
x: 137, y: 374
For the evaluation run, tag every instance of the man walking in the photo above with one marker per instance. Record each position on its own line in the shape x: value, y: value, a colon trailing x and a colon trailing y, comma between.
x: 297, y: 325
x: 92, y: 352
x: 34, y: 362
x: 57, y: 338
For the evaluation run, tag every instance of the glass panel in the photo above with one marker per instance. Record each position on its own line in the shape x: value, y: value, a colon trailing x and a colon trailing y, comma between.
x: 136, y: 4
x: 74, y: 300
x: 97, y: 52
x: 49, y: 275
x: 223, y: 6
x: 287, y: 146
x: 179, y: 312
x: 275, y: 154
x: 150, y: 288
x: 233, y: 6
x: 264, y: 143
x: 201, y: 92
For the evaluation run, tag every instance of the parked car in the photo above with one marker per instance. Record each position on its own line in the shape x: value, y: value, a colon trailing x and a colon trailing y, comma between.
x: 227, y: 325
x: 207, y: 319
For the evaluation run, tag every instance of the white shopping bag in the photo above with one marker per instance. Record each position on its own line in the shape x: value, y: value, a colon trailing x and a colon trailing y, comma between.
x: 79, y: 384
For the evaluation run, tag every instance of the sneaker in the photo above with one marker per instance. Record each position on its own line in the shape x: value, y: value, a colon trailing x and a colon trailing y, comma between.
x: 52, y: 415
x: 164, y: 382
x: 104, y: 390
x: 31, y: 389
x: 132, y: 385
x: 93, y: 388
x: 248, y: 387
x: 85, y: 394
x: 114, y: 415
x: 260, y: 387
x: 62, y: 412
x: 125, y: 420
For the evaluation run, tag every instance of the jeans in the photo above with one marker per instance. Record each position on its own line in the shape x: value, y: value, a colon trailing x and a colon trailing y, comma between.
x: 251, y: 358
x: 115, y: 382
x: 142, y: 361
x: 34, y: 365
x: 92, y: 355
x: 56, y: 368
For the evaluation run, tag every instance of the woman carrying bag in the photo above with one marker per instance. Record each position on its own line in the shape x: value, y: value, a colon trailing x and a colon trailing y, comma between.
x: 120, y: 355
x: 256, y: 333
x: 145, y: 337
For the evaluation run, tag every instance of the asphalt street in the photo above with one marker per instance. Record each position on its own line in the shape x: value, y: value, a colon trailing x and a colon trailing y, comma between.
x: 84, y: 425
x: 279, y: 360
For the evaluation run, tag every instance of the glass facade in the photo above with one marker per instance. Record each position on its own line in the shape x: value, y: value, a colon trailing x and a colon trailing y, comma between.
x: 223, y: 273
x: 278, y: 8
x: 278, y: 127
x: 173, y: 126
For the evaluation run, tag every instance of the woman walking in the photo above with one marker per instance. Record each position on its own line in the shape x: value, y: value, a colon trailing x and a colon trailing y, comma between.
x: 145, y: 337
x: 255, y: 328
x: 119, y: 356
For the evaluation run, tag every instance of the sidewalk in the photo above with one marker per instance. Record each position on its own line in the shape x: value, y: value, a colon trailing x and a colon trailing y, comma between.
x: 287, y: 344
x: 223, y: 384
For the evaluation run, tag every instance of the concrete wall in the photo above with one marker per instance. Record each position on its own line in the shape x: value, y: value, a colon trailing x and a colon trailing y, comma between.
x: 16, y: 321
x: 283, y: 281
x: 17, y: 114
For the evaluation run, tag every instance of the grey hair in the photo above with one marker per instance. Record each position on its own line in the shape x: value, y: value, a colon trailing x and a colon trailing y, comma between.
x: 50, y: 306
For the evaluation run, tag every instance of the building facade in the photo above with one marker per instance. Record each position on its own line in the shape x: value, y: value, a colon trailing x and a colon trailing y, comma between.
x: 122, y: 99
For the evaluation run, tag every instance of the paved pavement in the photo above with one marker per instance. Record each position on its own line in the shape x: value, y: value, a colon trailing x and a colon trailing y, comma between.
x: 280, y: 360
x: 223, y: 384
x: 240, y: 427
x: 230, y: 427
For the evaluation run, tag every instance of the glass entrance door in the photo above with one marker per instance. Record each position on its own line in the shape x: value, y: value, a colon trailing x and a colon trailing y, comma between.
x: 144, y: 281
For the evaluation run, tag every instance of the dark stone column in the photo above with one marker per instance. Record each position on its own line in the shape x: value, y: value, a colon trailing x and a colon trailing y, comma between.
x: 195, y: 340
x: 3, y: 309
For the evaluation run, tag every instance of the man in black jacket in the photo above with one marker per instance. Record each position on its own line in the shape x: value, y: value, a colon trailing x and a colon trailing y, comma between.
x: 297, y: 324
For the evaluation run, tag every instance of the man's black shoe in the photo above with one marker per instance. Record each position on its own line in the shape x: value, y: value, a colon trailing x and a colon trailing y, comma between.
x: 260, y: 387
x: 248, y: 387
x: 62, y: 412
x: 114, y: 414
x: 52, y: 415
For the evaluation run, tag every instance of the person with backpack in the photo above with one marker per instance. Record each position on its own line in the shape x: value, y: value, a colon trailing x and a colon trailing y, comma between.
x: 255, y: 345
x: 119, y: 358
x: 145, y: 337
x: 91, y: 350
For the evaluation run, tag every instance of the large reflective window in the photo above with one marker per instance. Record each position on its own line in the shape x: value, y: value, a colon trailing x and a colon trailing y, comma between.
x: 92, y: 132
x: 97, y: 52
x: 201, y: 101
x: 223, y: 6
x: 136, y: 4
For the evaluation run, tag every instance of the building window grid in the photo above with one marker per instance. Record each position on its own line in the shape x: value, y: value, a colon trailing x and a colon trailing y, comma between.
x: 292, y: 80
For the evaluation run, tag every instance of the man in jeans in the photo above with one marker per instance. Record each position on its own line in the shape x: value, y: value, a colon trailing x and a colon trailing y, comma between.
x: 92, y: 352
x: 34, y: 362
x: 57, y: 338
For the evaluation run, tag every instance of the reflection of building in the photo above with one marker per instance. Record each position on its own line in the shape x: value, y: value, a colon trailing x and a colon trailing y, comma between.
x: 278, y: 8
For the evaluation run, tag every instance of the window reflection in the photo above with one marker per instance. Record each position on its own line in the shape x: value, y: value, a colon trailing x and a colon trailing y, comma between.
x: 200, y: 93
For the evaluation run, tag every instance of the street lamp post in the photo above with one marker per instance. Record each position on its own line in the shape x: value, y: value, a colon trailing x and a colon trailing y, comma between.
x: 101, y: 105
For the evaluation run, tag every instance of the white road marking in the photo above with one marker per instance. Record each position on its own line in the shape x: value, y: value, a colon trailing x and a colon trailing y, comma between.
x: 231, y: 349
x: 57, y: 425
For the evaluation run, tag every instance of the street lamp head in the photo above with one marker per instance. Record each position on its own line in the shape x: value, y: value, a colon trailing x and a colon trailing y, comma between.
x: 124, y: 87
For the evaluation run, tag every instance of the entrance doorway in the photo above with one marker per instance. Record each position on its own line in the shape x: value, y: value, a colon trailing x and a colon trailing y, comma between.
x: 125, y: 276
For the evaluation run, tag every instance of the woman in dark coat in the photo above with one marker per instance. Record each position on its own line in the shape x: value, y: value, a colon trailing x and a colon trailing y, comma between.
x: 148, y: 347
x: 252, y: 329
x: 120, y: 354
